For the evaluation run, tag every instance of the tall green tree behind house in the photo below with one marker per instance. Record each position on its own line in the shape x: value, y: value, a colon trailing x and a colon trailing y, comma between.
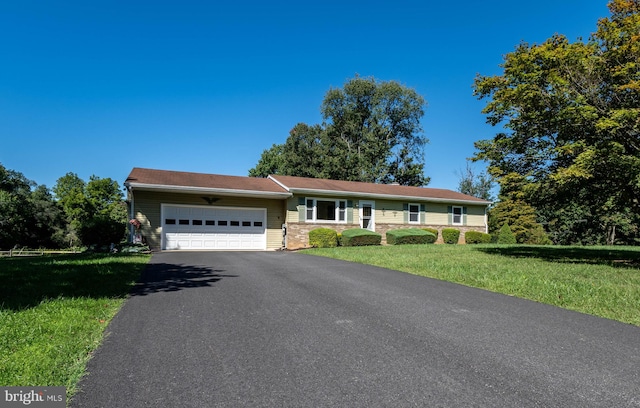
x: 371, y: 132
x: 571, y: 119
x: 475, y: 184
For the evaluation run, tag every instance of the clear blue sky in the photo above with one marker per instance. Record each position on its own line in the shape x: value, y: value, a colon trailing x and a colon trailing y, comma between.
x: 100, y: 87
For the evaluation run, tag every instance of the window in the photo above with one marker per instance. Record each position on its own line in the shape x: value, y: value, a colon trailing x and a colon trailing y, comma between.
x: 222, y: 223
x: 456, y: 215
x: 170, y: 221
x: 196, y: 222
x: 235, y: 223
x: 246, y: 223
x: 414, y: 214
x: 209, y: 222
x: 183, y: 222
x: 257, y: 223
x: 324, y: 210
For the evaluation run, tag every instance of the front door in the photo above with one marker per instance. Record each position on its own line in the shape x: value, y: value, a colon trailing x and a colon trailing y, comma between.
x: 367, y: 212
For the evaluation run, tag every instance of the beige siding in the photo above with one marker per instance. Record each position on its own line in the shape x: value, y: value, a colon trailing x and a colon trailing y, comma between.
x: 475, y: 215
x: 436, y: 214
x: 147, y: 211
x: 393, y: 212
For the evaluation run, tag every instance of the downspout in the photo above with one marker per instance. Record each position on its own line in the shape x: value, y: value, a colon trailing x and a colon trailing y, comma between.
x: 486, y: 221
x: 131, y: 213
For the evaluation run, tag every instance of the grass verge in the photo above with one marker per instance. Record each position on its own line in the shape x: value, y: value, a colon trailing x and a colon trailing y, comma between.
x: 53, y: 312
x: 602, y: 281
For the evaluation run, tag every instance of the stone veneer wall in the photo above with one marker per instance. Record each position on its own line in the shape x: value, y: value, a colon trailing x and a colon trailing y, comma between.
x: 298, y: 232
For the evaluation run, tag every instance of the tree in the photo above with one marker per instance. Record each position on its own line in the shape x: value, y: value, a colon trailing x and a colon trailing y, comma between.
x: 371, y: 132
x: 93, y: 210
x: 14, y: 195
x: 571, y: 120
x: 30, y: 216
x: 476, y: 185
x: 505, y: 236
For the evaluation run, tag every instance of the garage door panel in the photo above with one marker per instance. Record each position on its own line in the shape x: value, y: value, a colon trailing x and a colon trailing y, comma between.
x: 198, y: 228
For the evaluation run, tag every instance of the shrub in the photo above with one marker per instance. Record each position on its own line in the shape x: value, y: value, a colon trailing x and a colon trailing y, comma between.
x: 450, y: 235
x: 408, y: 236
x: 360, y: 237
x: 431, y: 240
x: 323, y: 238
x: 102, y: 231
x: 476, y: 237
x: 505, y: 236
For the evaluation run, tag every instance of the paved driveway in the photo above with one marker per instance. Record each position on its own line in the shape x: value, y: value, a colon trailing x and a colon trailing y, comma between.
x: 281, y: 329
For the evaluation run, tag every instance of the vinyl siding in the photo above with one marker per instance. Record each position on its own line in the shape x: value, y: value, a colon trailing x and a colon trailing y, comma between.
x: 392, y: 212
x: 147, y: 211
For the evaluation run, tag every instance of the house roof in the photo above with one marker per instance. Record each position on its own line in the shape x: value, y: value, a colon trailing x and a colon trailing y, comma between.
x: 276, y: 186
x: 180, y: 181
x: 303, y: 185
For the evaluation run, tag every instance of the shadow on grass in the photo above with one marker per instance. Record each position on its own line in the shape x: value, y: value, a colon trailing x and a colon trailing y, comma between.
x: 26, y: 282
x: 616, y: 257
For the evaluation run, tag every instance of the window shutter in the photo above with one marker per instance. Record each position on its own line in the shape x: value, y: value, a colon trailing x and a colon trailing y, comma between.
x: 464, y: 215
x: 423, y: 214
x: 302, y: 209
x: 450, y: 215
x: 349, y: 211
x: 405, y: 213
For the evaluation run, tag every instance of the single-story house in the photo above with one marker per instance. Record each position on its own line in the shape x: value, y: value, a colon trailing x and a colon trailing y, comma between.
x: 196, y: 211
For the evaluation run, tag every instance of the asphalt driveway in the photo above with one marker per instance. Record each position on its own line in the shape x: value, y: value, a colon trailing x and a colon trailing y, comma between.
x: 282, y: 329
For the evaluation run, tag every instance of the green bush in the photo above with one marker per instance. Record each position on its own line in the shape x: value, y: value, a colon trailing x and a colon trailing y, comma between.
x: 505, y: 236
x: 360, y: 237
x: 408, y: 236
x: 450, y: 235
x: 431, y: 240
x: 102, y: 231
x: 476, y: 237
x: 323, y: 238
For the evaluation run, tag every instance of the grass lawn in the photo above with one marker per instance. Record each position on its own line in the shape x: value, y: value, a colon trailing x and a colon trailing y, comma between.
x: 602, y: 281
x: 53, y: 312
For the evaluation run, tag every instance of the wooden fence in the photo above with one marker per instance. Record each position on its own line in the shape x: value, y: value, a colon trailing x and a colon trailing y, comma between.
x: 35, y: 252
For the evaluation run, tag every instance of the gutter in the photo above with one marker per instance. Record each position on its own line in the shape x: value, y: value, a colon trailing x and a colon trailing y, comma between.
x: 385, y: 196
x: 199, y: 190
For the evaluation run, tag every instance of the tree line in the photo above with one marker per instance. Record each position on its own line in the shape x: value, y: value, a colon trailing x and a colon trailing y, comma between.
x: 566, y: 158
x: 73, y: 213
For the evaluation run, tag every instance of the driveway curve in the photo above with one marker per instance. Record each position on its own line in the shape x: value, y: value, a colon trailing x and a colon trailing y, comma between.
x: 282, y: 329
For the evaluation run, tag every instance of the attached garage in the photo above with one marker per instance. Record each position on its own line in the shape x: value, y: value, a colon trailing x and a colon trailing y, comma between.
x: 208, y: 228
x: 206, y: 212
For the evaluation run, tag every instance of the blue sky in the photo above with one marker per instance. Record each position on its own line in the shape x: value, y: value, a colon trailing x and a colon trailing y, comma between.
x: 100, y: 87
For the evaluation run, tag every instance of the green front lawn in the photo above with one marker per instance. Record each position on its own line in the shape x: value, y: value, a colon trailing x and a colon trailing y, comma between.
x: 53, y: 312
x: 602, y: 281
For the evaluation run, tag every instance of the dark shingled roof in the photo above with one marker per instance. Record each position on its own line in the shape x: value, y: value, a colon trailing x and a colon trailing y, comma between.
x: 303, y: 183
x: 150, y: 178
x: 201, y: 180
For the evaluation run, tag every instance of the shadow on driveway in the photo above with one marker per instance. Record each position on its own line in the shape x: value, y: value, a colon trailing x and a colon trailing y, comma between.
x: 163, y: 277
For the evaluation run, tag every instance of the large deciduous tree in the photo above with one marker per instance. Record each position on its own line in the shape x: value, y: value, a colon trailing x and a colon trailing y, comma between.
x: 95, y: 211
x: 29, y: 217
x: 571, y: 119
x: 371, y: 132
x: 475, y: 184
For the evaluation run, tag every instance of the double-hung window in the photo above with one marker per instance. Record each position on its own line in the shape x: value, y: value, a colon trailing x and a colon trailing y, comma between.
x: 326, y: 210
x: 414, y: 214
x: 456, y: 218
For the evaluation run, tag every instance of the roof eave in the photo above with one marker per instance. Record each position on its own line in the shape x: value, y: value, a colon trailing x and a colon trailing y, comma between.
x: 307, y: 191
x: 208, y: 190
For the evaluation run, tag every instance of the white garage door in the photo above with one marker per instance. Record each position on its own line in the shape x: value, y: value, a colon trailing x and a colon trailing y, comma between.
x: 207, y: 228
